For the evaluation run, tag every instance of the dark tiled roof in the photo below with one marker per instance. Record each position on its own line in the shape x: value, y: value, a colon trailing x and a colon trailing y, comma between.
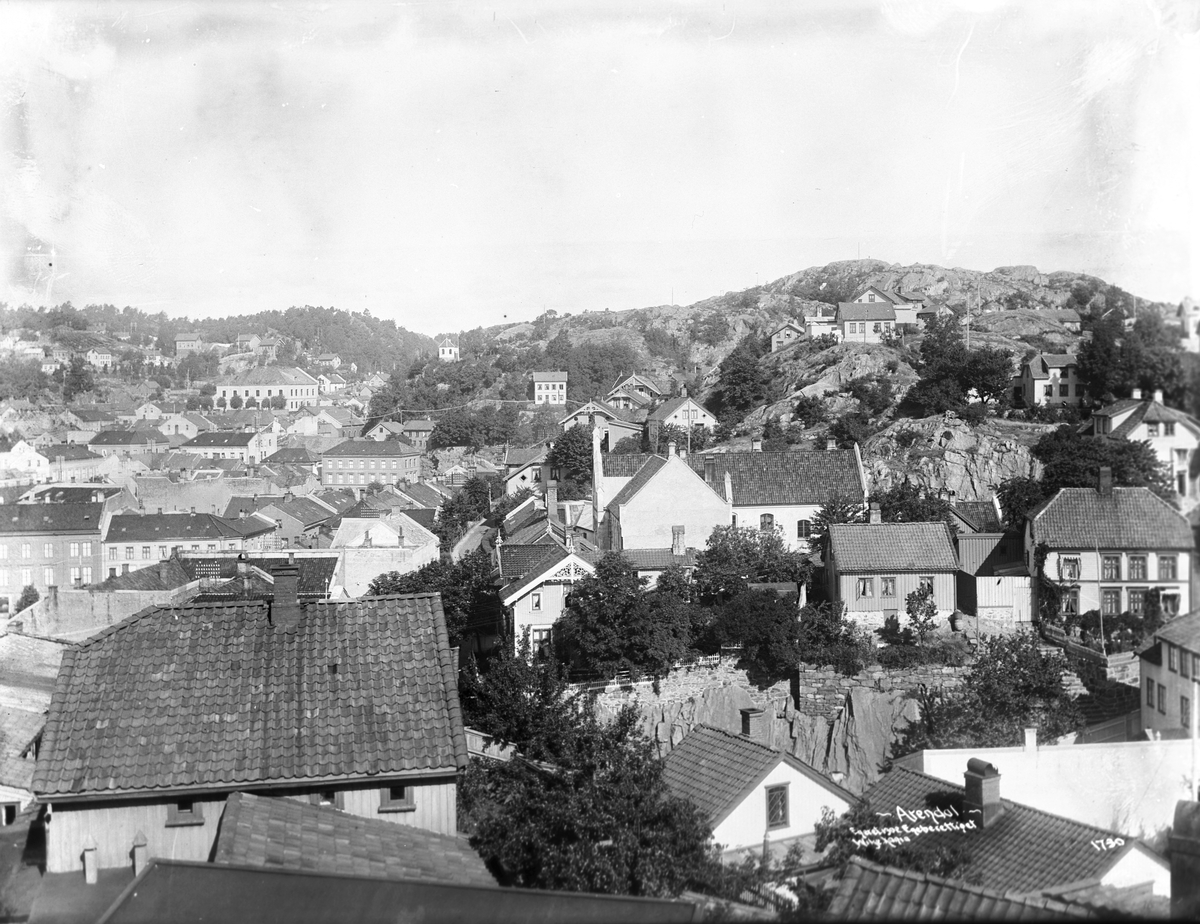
x: 1182, y: 630
x: 50, y: 518
x: 218, y: 696
x: 784, y: 478
x: 240, y: 503
x: 127, y: 438
x: 237, y: 438
x: 307, y: 511
x: 163, y: 575
x: 551, y: 556
x: 516, y: 561
x: 424, y: 516
x: 657, y: 559
x: 340, y: 501
x: 422, y: 494
x: 140, y: 527
x: 1130, y: 518
x: 519, y: 457
x: 880, y: 547
x: 70, y: 452
x: 73, y: 493
x: 869, y: 892
x: 282, y: 833
x: 623, y: 464
x: 315, y: 572
x: 298, y: 455
x: 638, y: 481
x: 371, y: 448
x: 1023, y: 850
x: 981, y: 515
x: 419, y: 426
x: 865, y: 311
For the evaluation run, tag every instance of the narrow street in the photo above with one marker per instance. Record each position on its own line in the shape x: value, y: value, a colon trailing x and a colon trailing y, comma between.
x: 471, y: 540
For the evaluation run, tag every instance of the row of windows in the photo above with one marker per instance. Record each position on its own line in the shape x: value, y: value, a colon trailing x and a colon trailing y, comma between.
x: 409, y: 462
x: 245, y: 392
x: 1168, y: 428
x: 350, y: 479
x: 164, y: 551
x: 1064, y: 391
x: 860, y: 327
x: 887, y: 586
x: 398, y: 798
x: 77, y: 548
x: 1185, y: 704
x: 766, y: 522
x: 26, y: 575
x: 1182, y: 661
x: 551, y: 386
x: 1069, y: 568
x: 1110, y: 601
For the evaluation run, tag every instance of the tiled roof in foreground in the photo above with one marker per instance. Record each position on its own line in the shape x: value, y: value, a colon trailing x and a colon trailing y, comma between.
x: 222, y: 696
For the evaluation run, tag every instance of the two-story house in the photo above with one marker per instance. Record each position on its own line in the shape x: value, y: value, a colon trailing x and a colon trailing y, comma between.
x: 535, y: 581
x: 263, y: 383
x: 189, y: 342
x: 685, y: 412
x: 783, y: 490
x: 248, y: 446
x: 350, y: 704
x: 361, y: 462
x: 1170, y: 670
x: 1108, y: 547
x: 822, y: 323
x: 71, y: 462
x: 638, y: 384
x: 872, y: 567
x: 549, y: 387
x: 1172, y: 434
x: 1049, y: 380
x: 298, y: 520
x: 416, y: 432
x: 188, y: 425
x: 125, y: 442
x: 247, y: 343
x: 865, y: 323
x: 614, y: 424
x: 49, y: 545
x: 133, y: 541
x: 907, y: 305
x: 785, y: 335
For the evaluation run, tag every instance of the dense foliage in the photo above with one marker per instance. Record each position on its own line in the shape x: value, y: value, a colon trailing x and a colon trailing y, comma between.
x: 743, y: 384
x: 736, y: 556
x: 950, y: 373
x: 468, y: 594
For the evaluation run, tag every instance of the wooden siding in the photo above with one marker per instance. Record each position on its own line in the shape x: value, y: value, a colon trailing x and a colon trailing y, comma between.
x: 943, y: 591
x: 115, y: 825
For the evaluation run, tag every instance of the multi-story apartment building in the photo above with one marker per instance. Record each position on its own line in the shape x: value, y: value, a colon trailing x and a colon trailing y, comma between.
x: 266, y: 382
x: 133, y: 541
x: 48, y: 545
x: 360, y: 462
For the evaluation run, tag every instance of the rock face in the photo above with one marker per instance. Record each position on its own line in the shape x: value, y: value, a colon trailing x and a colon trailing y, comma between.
x: 942, y: 454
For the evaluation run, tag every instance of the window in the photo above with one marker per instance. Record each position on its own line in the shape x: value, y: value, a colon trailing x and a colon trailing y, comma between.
x: 1170, y: 604
x: 1064, y: 391
x: 87, y: 575
x: 1185, y: 712
x: 113, y: 553
x: 3, y: 551
x: 1049, y: 391
x: 145, y: 553
x: 26, y: 577
x: 48, y: 577
x: 1185, y: 661
x: 4, y: 577
x: 887, y: 587
x: 535, y: 601
x: 1168, y: 429
x: 1137, y: 601
x: 396, y: 799
x: 925, y: 582
x: 803, y: 529
x: 1110, y: 568
x: 330, y: 798
x: 1172, y: 658
x: 766, y: 522
x: 1151, y: 429
x: 184, y: 812
x: 1068, y: 568
x: 1137, y: 567
x: 733, y: 519
x: 1149, y: 692
x: 212, y: 546
x: 75, y: 576
x: 866, y: 587
x: 129, y: 553
x: 1167, y: 567
x: 875, y: 328
x: 777, y: 807
x: 162, y: 552
x: 26, y: 550
x: 1070, y: 601
x: 74, y: 549
x: 1162, y: 699
x: 47, y: 550
x: 1110, y: 601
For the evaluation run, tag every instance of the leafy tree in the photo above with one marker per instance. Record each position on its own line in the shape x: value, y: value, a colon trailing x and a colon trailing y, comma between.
x: 209, y: 389
x: 989, y: 372
x: 77, y: 379
x: 827, y: 637
x: 1072, y: 460
x: 737, y: 555
x: 627, y: 445
x: 469, y: 598
x: 851, y: 428
x: 905, y: 503
x: 949, y: 371
x: 278, y: 402
x: 221, y: 403
x: 1012, y: 684
x: 810, y: 410
x: 837, y: 509
x: 29, y: 596
x: 767, y: 628
x: 604, y: 806
x: 192, y: 403
x: 1018, y: 496
x: 251, y: 402
x: 874, y: 393
x: 235, y: 401
x: 922, y: 613
x: 742, y: 383
x: 613, y: 624
x: 571, y: 454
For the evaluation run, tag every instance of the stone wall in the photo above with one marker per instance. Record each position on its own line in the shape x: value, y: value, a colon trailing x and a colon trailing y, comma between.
x: 79, y: 614
x: 842, y: 726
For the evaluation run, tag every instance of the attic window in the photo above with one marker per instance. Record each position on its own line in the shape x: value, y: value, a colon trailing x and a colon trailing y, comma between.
x: 396, y: 798
x: 184, y: 812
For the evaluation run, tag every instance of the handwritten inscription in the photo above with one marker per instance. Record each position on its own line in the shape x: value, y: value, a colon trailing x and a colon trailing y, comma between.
x: 912, y: 823
x: 1108, y: 843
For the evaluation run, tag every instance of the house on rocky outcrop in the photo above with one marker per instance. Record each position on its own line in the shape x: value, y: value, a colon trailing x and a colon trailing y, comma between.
x: 785, y: 335
x: 906, y: 305
x: 865, y: 323
x: 614, y: 423
x: 1049, y: 380
x: 1172, y: 434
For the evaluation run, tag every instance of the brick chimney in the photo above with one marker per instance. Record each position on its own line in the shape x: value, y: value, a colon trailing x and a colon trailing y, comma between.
x: 671, y: 448
x: 678, y: 547
x: 1185, y: 861
x: 552, y: 500
x: 756, y: 444
x: 1030, y: 737
x: 981, y: 801
x: 710, y: 470
x: 652, y: 428
x: 754, y: 724
x: 285, y: 609
x: 1104, y: 482
x: 876, y: 516
x: 830, y: 444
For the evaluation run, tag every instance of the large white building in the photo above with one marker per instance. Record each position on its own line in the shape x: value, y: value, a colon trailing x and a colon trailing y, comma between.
x: 265, y: 382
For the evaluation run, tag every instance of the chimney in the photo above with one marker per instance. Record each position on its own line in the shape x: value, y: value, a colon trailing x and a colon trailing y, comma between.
x: 678, y: 548
x: 1030, y: 737
x: 89, y: 861
x: 876, y: 516
x: 710, y: 470
x: 1136, y: 394
x: 754, y: 725
x: 1104, y: 483
x: 1185, y: 861
x: 671, y: 448
x: 830, y: 444
x: 756, y: 444
x: 285, y: 609
x: 1158, y: 396
x: 652, y: 427
x: 981, y: 801
x: 683, y: 391
x: 552, y: 500
x: 139, y: 853
x: 193, y: 511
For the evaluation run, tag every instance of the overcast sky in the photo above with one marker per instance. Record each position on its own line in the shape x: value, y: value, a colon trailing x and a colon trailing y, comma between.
x: 455, y: 164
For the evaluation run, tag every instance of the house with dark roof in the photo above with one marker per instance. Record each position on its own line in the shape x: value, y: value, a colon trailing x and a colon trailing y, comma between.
x: 865, y: 323
x: 156, y: 721
x: 186, y: 424
x: 523, y: 467
x: 1009, y: 846
x: 139, y: 540
x: 907, y: 305
x: 626, y: 398
x: 416, y: 432
x: 614, y: 424
x: 188, y: 342
x: 785, y: 335
x: 71, y: 462
x: 247, y: 446
x: 1170, y: 669
x: 1049, y: 380
x: 1172, y: 434
x: 751, y: 793
x: 385, y: 429
x: 49, y: 545
x: 1108, y: 548
x: 298, y: 520
x: 872, y: 567
x: 993, y: 580
x: 640, y: 384
x: 783, y: 490
x: 683, y: 411
x: 127, y: 442
x: 535, y: 586
x: 361, y: 462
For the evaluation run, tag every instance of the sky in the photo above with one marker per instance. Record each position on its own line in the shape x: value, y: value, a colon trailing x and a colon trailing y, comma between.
x: 456, y: 164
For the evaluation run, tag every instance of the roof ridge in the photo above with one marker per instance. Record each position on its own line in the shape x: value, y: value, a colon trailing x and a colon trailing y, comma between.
x: 742, y: 739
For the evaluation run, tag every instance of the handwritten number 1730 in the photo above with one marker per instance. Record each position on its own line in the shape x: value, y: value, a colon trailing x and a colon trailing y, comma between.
x: 1108, y: 843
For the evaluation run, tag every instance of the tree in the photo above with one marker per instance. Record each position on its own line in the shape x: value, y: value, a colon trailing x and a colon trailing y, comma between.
x: 922, y: 613
x: 29, y: 596
x: 737, y: 555
x: 1018, y: 496
x: 571, y: 454
x: 827, y: 637
x: 221, y: 403
x: 1072, y: 460
x: 235, y: 402
x: 78, y: 379
x: 605, y: 807
x: 988, y: 372
x: 627, y: 446
x: 905, y: 503
x: 838, y: 509
x: 469, y: 598
x: 809, y: 410
x: 766, y: 626
x: 278, y: 402
x: 742, y: 383
x: 613, y: 624
x: 251, y: 402
x: 840, y: 838
x: 1012, y: 684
